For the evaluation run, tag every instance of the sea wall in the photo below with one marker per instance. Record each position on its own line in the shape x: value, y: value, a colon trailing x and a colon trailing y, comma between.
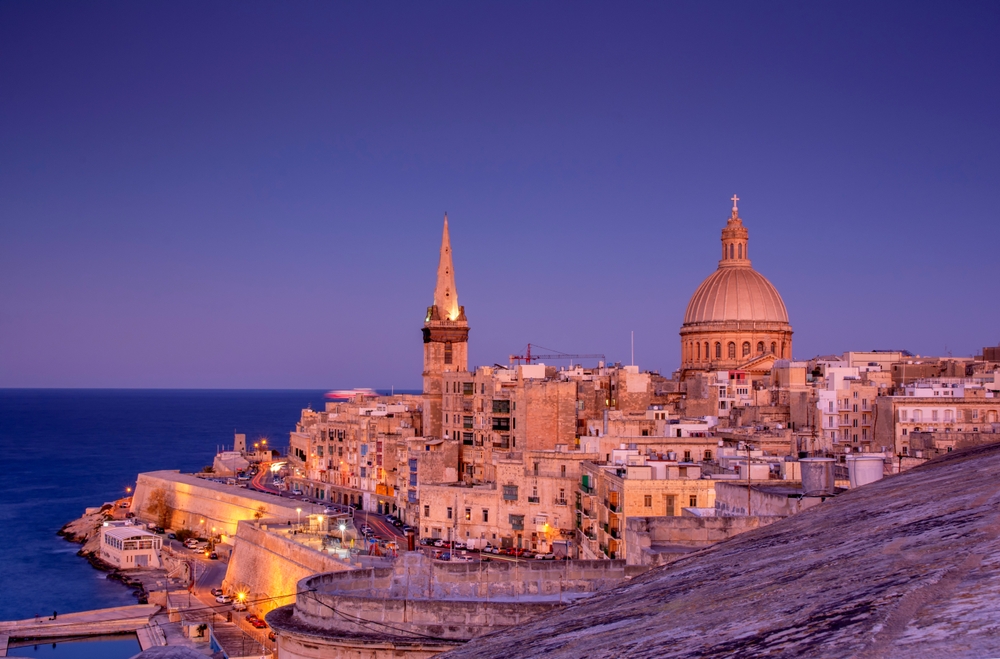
x: 268, y: 566
x: 203, y: 505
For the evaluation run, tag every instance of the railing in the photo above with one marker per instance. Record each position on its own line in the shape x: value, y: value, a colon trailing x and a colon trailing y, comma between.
x: 586, y: 488
x: 590, y: 533
x: 560, y: 502
x: 579, y: 506
x: 614, y: 532
x: 588, y: 513
x: 533, y: 499
x: 612, y: 506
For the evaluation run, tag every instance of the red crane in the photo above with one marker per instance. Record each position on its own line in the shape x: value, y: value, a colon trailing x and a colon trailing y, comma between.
x: 527, y: 357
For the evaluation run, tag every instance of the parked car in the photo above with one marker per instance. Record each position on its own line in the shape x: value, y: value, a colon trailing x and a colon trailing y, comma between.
x: 439, y: 543
x: 407, y: 528
x: 239, y: 606
x: 271, y: 636
x: 216, y: 592
x: 213, y: 556
x: 250, y: 617
x: 224, y: 599
x: 258, y: 624
x: 172, y: 535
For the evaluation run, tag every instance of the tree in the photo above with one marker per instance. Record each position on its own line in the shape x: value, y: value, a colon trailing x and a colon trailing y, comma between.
x: 161, y: 507
x: 260, y: 512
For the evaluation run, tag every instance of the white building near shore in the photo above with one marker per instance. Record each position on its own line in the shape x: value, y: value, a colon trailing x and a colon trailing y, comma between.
x: 128, y: 547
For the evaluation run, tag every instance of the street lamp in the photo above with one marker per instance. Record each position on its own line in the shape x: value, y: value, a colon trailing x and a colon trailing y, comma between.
x: 343, y: 527
x: 298, y: 516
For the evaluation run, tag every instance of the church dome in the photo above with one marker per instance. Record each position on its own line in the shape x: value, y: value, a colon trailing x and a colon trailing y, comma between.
x: 736, y: 293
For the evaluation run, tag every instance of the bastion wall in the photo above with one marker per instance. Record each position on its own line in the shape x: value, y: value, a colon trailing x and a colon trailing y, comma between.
x: 268, y: 567
x: 222, y: 507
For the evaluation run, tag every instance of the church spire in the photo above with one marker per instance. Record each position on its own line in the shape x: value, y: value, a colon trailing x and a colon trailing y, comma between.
x: 445, y: 293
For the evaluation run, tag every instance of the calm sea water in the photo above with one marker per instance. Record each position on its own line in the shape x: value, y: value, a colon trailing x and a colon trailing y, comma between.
x: 102, y: 647
x: 65, y: 450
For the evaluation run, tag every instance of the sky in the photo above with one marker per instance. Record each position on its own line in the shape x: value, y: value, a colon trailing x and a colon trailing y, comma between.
x: 250, y: 194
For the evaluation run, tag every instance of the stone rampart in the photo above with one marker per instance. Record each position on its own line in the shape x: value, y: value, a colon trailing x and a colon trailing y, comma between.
x: 201, y: 505
x: 268, y: 567
x: 654, y: 541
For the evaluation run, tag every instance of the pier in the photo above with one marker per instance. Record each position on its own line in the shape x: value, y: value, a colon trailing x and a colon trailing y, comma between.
x: 118, y: 620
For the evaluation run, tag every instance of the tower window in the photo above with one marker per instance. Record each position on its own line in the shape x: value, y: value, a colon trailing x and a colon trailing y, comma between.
x: 732, y: 350
x: 760, y: 347
x: 699, y: 352
x: 746, y: 348
x: 718, y: 350
x: 706, y: 349
x: 739, y: 250
x: 447, y: 352
x: 730, y: 251
x: 774, y: 347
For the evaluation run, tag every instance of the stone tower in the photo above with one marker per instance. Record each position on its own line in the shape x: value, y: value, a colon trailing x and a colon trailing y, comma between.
x: 446, y: 337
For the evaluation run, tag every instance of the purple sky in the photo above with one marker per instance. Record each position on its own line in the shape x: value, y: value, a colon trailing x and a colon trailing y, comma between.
x: 250, y: 194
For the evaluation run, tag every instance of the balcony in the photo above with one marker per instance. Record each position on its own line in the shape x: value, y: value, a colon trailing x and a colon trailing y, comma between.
x: 588, y: 513
x: 612, y: 506
x: 586, y: 488
x: 614, y: 532
x: 533, y: 499
x: 590, y: 533
x: 560, y: 502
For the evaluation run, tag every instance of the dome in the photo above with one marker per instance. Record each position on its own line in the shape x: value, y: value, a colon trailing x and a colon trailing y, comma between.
x: 736, y: 293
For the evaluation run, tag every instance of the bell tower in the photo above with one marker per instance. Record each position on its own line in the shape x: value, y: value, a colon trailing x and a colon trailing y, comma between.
x: 446, y: 337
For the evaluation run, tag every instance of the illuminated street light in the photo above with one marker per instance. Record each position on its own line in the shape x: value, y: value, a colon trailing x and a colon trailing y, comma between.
x: 343, y: 527
x: 298, y: 514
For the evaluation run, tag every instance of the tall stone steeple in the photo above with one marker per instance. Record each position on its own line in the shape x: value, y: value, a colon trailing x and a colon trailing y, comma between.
x: 445, y: 293
x: 446, y: 337
x: 734, y: 240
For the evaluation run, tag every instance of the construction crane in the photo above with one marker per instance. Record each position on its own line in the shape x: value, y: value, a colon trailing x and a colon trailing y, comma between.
x: 527, y: 357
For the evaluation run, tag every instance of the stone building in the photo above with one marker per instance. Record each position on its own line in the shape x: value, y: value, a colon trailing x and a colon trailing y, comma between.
x: 736, y: 316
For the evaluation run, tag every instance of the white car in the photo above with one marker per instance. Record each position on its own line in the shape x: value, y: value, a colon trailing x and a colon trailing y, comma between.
x: 224, y: 599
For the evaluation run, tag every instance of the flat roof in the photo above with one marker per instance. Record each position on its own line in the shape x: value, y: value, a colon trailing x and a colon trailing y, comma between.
x: 128, y: 532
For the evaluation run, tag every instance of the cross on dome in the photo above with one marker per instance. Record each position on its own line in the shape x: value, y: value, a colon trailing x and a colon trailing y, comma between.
x: 734, y: 200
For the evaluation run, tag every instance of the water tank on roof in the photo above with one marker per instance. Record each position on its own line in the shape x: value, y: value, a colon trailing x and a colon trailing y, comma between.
x: 817, y: 476
x: 864, y: 469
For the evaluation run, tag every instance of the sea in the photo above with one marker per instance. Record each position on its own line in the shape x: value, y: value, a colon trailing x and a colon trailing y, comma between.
x: 64, y: 450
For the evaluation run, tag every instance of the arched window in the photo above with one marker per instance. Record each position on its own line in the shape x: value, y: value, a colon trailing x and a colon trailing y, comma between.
x: 739, y: 250
x: 774, y: 347
x: 718, y: 350
x: 918, y: 415
x: 746, y: 348
x: 699, y: 352
x: 760, y: 347
x: 730, y: 251
x: 732, y: 350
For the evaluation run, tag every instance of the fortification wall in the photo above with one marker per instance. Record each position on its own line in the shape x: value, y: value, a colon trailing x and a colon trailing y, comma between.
x: 202, y: 505
x: 656, y: 540
x: 268, y: 567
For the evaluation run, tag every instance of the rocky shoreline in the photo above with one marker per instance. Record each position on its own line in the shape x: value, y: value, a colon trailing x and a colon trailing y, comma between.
x: 86, y: 531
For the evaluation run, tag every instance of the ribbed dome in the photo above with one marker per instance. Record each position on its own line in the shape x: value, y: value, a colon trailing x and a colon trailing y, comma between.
x: 736, y: 293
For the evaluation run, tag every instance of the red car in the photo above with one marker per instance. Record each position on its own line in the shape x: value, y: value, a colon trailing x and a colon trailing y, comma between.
x: 251, y: 617
x: 258, y: 624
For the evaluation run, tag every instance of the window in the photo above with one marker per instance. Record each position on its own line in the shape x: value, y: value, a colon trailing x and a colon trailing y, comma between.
x: 648, y: 500
x: 501, y: 407
x: 535, y: 468
x: 760, y: 347
x: 708, y: 455
x: 934, y: 415
x: 468, y: 514
x: 467, y: 422
x: 739, y: 250
x: 731, y: 349
x: 449, y: 512
x: 774, y: 347
x: 447, y: 352
x: 486, y: 515
x: 510, y: 492
x: 687, y: 456
x: 693, y: 501
x: 746, y: 348
x: 718, y: 350
x: 427, y: 511
x: 468, y: 388
x: 706, y: 349
x: 501, y: 423
x: 517, y: 522
x: 699, y: 351
x: 562, y: 471
x: 902, y: 415
x: 468, y: 439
